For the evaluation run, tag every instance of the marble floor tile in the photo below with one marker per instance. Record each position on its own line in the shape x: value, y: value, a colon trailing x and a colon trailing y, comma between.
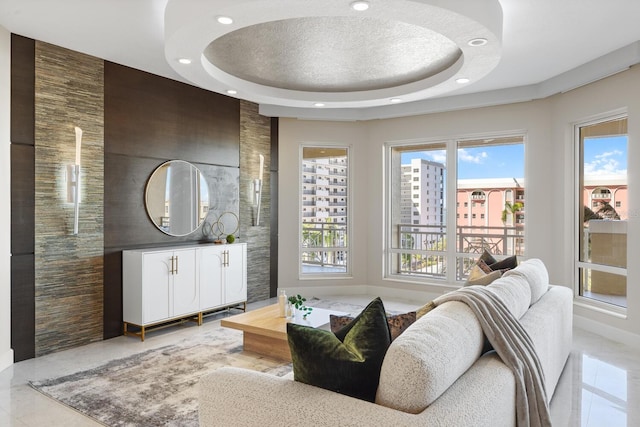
x: 600, y: 385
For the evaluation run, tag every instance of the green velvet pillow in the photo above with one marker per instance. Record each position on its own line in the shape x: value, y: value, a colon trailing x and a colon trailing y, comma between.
x: 347, y: 363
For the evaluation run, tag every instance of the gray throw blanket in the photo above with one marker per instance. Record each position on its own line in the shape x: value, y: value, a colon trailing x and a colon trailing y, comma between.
x: 515, y: 348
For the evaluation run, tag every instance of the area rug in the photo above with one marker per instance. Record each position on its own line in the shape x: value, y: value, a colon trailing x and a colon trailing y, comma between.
x: 157, y: 387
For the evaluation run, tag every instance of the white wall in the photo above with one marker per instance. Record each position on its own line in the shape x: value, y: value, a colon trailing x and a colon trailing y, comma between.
x: 345, y: 134
x: 6, y: 354
x: 549, y: 175
x: 621, y: 91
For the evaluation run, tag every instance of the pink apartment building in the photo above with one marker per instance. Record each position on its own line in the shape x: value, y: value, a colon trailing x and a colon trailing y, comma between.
x: 480, y: 202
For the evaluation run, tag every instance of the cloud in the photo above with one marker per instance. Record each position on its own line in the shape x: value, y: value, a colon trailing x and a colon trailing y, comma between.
x: 605, y: 164
x: 465, y: 156
x: 439, y: 156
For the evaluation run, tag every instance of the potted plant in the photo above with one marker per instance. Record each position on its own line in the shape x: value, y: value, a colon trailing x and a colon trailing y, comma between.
x: 297, y: 301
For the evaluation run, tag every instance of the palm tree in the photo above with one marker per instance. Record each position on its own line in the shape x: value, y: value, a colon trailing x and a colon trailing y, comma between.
x: 589, y: 215
x: 511, y: 208
x: 606, y: 211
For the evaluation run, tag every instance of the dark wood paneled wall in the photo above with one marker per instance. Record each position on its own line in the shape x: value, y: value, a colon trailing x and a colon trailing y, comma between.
x: 149, y: 120
x: 22, y: 197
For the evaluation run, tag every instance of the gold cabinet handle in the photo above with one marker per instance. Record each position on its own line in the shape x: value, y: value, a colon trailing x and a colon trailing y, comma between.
x: 172, y: 270
x: 176, y: 264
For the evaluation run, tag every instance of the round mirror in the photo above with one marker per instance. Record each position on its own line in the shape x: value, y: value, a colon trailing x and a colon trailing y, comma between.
x: 177, y: 198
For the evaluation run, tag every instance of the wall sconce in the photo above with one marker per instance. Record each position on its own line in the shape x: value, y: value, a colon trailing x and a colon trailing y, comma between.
x: 257, y: 191
x: 73, y: 181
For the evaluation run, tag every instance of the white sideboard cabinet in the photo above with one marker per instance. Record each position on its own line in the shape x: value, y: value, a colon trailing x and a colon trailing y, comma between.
x: 223, y: 276
x: 161, y: 285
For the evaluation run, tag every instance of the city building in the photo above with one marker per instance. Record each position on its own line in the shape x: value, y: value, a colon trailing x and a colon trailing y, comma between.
x: 422, y: 193
x: 324, y: 189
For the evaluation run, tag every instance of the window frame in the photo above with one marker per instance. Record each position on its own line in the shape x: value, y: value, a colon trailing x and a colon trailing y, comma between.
x: 451, y: 182
x: 579, y: 300
x: 348, y: 198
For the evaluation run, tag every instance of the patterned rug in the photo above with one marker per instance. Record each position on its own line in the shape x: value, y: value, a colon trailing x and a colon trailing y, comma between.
x: 158, y: 387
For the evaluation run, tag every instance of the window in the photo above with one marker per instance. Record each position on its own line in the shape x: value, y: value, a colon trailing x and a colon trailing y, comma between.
x: 601, y: 258
x: 445, y: 245
x: 324, y: 241
x: 416, y: 178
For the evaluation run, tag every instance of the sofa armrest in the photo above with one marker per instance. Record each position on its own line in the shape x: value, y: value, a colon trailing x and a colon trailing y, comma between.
x: 240, y: 397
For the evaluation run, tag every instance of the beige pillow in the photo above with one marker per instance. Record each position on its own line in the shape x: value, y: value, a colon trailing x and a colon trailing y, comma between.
x: 425, y: 309
x: 479, y: 277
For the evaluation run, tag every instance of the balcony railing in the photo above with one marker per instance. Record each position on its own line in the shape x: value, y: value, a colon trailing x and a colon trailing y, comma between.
x: 324, y: 245
x: 427, y: 246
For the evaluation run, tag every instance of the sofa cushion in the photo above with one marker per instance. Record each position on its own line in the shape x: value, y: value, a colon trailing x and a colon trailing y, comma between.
x: 487, y: 258
x: 536, y: 275
x: 348, y: 362
x: 397, y: 322
x: 505, y: 264
x: 514, y: 292
x: 421, y: 311
x: 479, y: 277
x: 429, y: 356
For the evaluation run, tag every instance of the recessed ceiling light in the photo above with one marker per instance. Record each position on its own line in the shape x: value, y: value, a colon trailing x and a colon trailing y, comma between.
x: 395, y: 100
x: 318, y: 104
x: 462, y: 80
x: 225, y: 20
x: 360, y: 6
x: 232, y: 92
x: 185, y: 61
x: 477, y: 42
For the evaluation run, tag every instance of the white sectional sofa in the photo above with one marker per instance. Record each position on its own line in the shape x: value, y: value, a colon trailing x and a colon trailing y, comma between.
x: 434, y: 374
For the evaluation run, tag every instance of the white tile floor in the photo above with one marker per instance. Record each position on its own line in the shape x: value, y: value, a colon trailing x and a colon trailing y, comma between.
x: 600, y: 386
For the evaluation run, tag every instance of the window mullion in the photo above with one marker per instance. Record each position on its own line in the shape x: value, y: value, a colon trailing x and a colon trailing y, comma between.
x: 452, y: 177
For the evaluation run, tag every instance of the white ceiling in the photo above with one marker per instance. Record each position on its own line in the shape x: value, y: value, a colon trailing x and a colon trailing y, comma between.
x: 548, y: 46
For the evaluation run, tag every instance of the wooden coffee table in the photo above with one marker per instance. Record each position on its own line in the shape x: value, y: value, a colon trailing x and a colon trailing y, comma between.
x: 265, y: 332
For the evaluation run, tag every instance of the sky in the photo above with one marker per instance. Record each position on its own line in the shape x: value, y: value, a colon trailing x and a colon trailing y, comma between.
x: 605, y: 156
x: 499, y: 161
x: 602, y: 156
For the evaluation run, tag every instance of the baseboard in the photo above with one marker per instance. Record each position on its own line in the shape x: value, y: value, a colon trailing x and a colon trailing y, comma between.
x: 381, y: 291
x: 320, y: 291
x: 6, y: 359
x: 419, y: 297
x: 606, y: 331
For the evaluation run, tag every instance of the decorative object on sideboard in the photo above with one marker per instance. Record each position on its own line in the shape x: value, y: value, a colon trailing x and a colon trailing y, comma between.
x: 227, y: 224
x: 257, y: 191
x: 73, y: 182
x: 177, y: 198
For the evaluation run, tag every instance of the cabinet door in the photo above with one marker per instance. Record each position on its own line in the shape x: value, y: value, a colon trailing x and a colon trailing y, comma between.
x: 156, y: 283
x: 234, y: 273
x: 210, y: 277
x: 186, y: 295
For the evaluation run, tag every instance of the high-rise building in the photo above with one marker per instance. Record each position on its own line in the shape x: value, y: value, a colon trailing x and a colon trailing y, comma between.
x: 422, y: 193
x: 324, y: 190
